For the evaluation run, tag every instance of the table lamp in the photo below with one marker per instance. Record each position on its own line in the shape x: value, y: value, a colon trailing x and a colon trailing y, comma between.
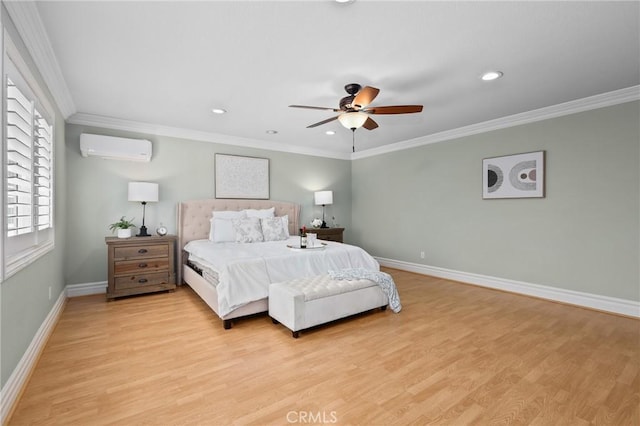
x: 145, y: 192
x: 323, y: 198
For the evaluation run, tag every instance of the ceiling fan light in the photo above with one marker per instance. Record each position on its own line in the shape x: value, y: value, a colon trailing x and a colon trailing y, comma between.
x: 491, y: 75
x: 353, y: 120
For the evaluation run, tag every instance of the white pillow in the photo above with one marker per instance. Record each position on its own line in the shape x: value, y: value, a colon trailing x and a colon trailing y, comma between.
x: 248, y: 230
x: 221, y: 229
x: 261, y: 214
x: 273, y: 229
x: 229, y: 214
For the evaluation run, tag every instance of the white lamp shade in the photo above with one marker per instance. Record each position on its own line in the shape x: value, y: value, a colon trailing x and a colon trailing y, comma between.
x: 143, y: 191
x: 352, y: 120
x: 323, y: 197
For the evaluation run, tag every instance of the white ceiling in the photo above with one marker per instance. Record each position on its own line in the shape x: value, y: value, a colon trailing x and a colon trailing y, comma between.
x: 169, y: 63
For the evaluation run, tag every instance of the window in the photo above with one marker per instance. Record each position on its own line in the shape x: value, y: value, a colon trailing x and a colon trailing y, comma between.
x: 28, y: 166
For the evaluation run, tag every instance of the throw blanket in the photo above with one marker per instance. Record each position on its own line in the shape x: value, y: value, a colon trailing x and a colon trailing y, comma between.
x: 383, y: 279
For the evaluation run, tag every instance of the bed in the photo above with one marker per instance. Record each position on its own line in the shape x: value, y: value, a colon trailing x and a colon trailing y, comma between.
x: 257, y: 265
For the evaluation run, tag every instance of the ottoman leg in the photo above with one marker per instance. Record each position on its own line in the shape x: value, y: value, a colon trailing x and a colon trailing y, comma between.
x: 275, y: 321
x: 295, y: 334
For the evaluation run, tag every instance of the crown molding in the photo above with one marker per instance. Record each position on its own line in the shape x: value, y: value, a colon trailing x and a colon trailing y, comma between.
x: 616, y: 97
x: 182, y: 133
x: 26, y: 19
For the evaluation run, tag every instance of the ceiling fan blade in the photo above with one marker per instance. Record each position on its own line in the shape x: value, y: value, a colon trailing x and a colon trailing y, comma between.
x: 365, y: 96
x: 396, y: 109
x: 314, y: 107
x: 370, y: 124
x: 319, y: 123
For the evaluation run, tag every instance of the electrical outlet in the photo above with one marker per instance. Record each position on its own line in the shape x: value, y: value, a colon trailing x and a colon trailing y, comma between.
x: 421, y: 255
x: 49, y: 292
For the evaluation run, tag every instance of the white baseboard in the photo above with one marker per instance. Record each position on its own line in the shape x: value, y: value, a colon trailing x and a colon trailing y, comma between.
x: 12, y: 388
x: 86, y: 289
x: 593, y: 301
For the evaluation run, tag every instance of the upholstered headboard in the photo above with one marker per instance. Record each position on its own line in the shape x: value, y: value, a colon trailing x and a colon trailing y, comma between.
x: 194, y: 218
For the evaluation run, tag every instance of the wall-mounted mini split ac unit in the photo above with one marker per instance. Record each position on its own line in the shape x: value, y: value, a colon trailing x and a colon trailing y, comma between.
x: 113, y: 148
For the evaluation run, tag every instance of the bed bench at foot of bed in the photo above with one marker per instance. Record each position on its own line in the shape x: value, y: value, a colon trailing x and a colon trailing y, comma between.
x: 306, y: 302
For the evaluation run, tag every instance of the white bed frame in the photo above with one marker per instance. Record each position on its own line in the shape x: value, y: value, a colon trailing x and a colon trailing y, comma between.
x: 193, y: 224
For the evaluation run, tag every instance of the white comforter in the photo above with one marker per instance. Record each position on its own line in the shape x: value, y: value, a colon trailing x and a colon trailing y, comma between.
x: 246, y: 270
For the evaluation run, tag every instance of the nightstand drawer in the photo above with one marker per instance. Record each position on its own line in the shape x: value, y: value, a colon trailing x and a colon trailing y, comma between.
x: 329, y: 234
x: 331, y: 237
x: 134, y: 252
x: 141, y: 266
x: 133, y: 281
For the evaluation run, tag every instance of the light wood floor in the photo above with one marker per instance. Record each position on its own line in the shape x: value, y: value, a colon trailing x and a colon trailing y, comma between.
x: 456, y: 354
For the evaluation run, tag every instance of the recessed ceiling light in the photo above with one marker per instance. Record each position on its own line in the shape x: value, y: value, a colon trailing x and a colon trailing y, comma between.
x: 491, y: 75
x: 330, y: 132
x: 344, y: 1
x: 271, y: 132
x: 219, y: 110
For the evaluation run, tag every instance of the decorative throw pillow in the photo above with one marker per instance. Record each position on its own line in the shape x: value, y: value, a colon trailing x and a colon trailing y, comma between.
x: 248, y: 230
x: 285, y: 224
x: 272, y: 229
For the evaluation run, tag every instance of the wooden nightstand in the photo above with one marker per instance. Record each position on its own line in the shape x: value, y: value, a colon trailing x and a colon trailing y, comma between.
x: 328, y: 234
x: 140, y: 265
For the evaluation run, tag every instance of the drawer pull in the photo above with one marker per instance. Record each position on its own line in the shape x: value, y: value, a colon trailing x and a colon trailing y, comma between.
x: 142, y: 280
x: 142, y: 265
x: 141, y: 251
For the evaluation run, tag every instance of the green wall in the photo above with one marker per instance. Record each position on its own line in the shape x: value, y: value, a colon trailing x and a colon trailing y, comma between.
x: 24, y: 297
x: 184, y: 170
x: 583, y: 236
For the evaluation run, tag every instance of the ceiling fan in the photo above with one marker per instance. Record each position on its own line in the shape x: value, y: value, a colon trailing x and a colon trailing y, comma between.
x: 354, y: 109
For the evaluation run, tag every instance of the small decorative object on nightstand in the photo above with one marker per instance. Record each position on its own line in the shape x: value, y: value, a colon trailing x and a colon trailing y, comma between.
x: 161, y: 230
x: 122, y: 227
x: 330, y: 234
x: 140, y: 265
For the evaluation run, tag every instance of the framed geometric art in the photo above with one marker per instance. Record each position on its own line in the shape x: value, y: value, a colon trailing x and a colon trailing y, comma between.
x: 241, y: 177
x: 513, y: 176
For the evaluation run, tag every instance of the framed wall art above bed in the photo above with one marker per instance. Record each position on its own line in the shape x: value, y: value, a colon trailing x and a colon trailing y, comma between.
x: 240, y: 177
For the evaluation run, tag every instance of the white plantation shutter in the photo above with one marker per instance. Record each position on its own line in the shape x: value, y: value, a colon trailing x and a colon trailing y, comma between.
x: 43, y: 142
x: 28, y: 160
x: 19, y: 162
